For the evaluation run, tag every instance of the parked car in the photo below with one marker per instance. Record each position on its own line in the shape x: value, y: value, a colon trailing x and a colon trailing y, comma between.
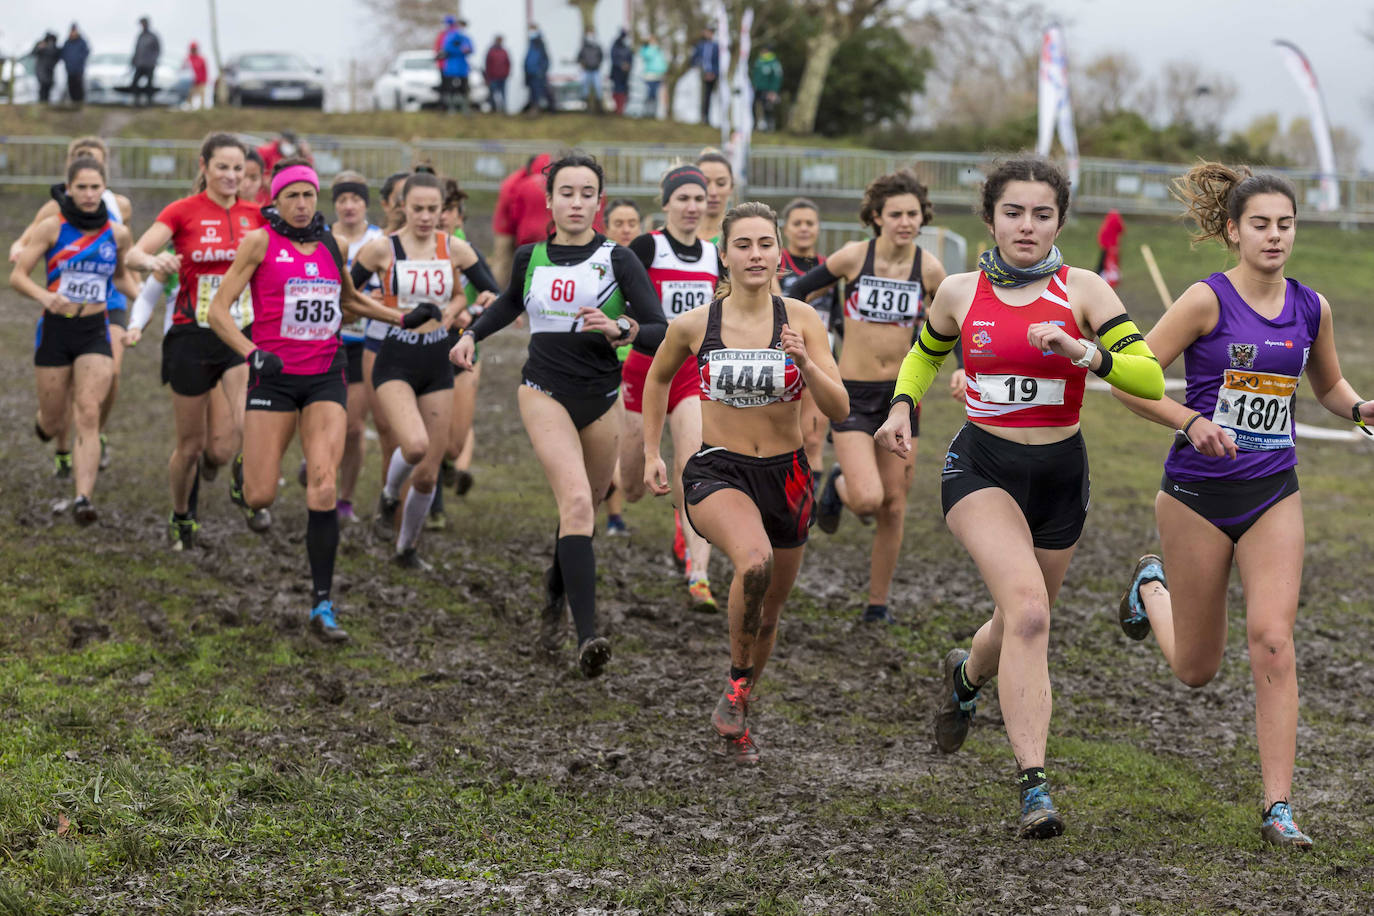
x: 110, y: 74
x: 18, y: 73
x: 271, y: 78
x: 412, y: 83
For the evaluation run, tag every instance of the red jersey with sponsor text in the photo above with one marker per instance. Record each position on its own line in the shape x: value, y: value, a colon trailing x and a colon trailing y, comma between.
x: 1010, y: 382
x: 207, y: 236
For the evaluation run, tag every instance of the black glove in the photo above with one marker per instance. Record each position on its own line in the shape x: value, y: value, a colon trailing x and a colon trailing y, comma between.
x: 425, y: 311
x: 264, y: 363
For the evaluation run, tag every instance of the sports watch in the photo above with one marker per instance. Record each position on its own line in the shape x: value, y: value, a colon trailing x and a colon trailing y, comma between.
x: 625, y: 327
x: 1086, y: 359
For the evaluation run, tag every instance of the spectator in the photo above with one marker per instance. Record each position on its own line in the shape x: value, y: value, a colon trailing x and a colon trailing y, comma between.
x: 74, y: 52
x: 147, y: 51
x: 495, y: 71
x: 767, y: 79
x: 200, y: 76
x: 654, y: 65
x: 45, y: 57
x: 706, y: 58
x: 537, y: 73
x: 589, y: 58
x: 622, y: 60
x: 1109, y: 241
x: 454, y: 81
x: 286, y: 145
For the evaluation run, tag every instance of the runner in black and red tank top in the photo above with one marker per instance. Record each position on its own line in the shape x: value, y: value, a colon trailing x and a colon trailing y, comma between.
x: 749, y: 488
x: 801, y: 228
x: 205, y: 231
x: 889, y: 281
x: 1015, y: 483
x: 684, y: 270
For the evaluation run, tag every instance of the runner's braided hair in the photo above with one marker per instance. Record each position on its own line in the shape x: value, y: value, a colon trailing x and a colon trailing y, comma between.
x: 1215, y: 195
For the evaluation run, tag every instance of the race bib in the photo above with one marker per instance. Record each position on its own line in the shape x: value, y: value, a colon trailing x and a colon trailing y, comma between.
x: 310, y: 309
x: 241, y: 310
x: 1256, y: 409
x: 1020, y: 389
x: 83, y: 286
x: 888, y: 301
x: 423, y: 281
x: 556, y: 293
x: 681, y: 296
x: 747, y: 378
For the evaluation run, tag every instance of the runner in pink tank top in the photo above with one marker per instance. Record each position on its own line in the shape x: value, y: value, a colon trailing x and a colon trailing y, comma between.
x: 298, y: 312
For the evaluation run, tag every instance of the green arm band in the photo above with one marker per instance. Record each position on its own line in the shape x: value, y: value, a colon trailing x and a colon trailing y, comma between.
x: 1127, y: 362
x: 922, y: 364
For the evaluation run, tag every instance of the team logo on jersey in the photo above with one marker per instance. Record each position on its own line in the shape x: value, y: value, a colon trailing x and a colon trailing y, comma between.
x: 209, y: 234
x: 107, y: 251
x: 284, y: 257
x: 312, y: 269
x: 1242, y: 355
x: 981, y: 338
x: 600, y: 270
x: 1279, y: 343
x: 243, y: 221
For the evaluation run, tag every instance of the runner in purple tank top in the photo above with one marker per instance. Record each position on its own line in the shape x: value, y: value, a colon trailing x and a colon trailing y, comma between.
x: 1230, y: 488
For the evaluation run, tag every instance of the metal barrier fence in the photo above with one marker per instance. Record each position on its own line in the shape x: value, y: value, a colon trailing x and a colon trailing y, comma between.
x: 774, y: 172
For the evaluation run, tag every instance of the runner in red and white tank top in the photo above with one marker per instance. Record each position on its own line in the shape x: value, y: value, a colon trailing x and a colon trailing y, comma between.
x: 296, y: 366
x: 684, y: 270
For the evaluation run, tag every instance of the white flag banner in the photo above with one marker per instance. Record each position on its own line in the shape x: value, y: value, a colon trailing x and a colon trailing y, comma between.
x: 744, y: 104
x: 722, y: 85
x: 1055, y: 111
x: 1301, y: 69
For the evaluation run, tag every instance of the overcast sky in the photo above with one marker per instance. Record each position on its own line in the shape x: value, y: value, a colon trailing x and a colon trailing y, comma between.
x: 1231, y: 36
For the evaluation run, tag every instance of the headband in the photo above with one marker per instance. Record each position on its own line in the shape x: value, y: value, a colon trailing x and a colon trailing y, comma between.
x: 294, y: 173
x: 683, y: 174
x: 352, y: 187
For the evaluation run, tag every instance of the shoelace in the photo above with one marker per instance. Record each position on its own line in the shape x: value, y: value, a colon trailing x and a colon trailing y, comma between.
x: 1035, y: 799
x: 325, y: 612
x: 1280, y: 817
x: 738, y: 693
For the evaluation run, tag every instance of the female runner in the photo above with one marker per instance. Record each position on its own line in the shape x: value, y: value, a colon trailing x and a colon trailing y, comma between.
x: 748, y: 489
x: 584, y: 295
x: 1015, y: 484
x: 720, y: 188
x: 801, y: 228
x: 1230, y: 488
x: 623, y: 221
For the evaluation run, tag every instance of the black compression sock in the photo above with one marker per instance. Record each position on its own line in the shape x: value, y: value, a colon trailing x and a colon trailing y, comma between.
x: 964, y: 689
x: 181, y: 516
x: 1030, y: 778
x: 737, y: 673
x: 193, y: 500
x: 577, y: 564
x: 322, y: 545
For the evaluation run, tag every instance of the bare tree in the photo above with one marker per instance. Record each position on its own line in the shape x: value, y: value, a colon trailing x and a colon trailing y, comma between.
x: 839, y: 19
x: 402, y: 23
x: 1109, y: 83
x: 1193, y: 96
x: 588, y: 10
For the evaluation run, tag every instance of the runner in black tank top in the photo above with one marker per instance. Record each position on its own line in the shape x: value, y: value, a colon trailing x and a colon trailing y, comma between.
x: 801, y: 223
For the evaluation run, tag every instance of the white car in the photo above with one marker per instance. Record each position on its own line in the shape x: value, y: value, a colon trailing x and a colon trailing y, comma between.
x: 19, y: 74
x: 110, y: 74
x: 412, y: 83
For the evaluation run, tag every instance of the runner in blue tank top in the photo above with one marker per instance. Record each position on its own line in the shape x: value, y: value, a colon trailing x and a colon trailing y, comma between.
x: 1230, y: 491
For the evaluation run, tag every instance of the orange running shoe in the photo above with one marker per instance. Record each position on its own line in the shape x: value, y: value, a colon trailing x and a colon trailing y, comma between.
x: 679, y: 543
x: 700, y: 592
x: 743, y: 749
x: 730, y: 712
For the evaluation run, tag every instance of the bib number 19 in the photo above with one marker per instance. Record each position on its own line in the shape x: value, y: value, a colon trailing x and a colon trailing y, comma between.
x: 1020, y: 389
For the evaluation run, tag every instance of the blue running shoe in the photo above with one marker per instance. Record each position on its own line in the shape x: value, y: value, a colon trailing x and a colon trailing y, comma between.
x: 1039, y: 819
x: 1131, y: 614
x: 1278, y: 828
x: 323, y: 625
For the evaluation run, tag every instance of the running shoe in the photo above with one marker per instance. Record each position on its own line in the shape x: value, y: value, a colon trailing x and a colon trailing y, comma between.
x: 593, y: 655
x: 183, y: 532
x: 62, y: 465
x: 954, y: 716
x: 104, y: 451
x: 38, y: 428
x: 616, y: 527
x: 732, y: 709
x: 346, y: 514
x: 323, y: 624
x: 302, y: 475
x: 551, y: 616
x: 208, y: 470
x: 384, y: 525
x: 878, y: 613
x: 1131, y: 614
x: 83, y: 511
x: 411, y: 559
x: 1039, y: 818
x: 259, y: 520
x: 436, y: 521
x: 699, y: 591
x: 742, y: 749
x: 1278, y: 828
x: 679, y: 544
x: 448, y: 473
x: 462, y: 482
x: 828, y: 504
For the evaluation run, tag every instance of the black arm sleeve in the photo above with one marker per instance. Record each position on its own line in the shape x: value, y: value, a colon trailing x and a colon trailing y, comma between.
x: 813, y: 281
x: 643, y: 247
x: 510, y: 303
x: 360, y: 274
x: 641, y: 300
x: 480, y: 275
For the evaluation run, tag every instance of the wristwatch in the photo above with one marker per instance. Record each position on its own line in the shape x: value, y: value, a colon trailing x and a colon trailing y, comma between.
x: 1084, y: 361
x: 625, y: 327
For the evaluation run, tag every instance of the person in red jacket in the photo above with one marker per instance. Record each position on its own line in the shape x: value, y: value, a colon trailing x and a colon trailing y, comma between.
x: 522, y: 214
x: 200, y: 75
x: 496, y: 70
x: 1109, y: 240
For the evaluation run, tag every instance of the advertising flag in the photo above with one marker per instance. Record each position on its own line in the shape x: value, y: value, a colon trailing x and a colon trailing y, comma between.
x: 1301, y: 69
x: 1056, y: 114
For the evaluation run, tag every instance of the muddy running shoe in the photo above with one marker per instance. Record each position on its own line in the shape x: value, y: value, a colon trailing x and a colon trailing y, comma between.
x: 38, y: 430
x: 679, y: 544
x: 1278, y: 828
x: 346, y: 514
x: 302, y: 475
x: 699, y: 591
x: 732, y: 710
x: 436, y: 521
x: 742, y: 749
x: 462, y: 482
x: 259, y: 520
x: 208, y: 470
x: 1039, y: 819
x: 104, y: 451
x: 183, y: 531
x: 616, y: 527
x: 62, y: 465
x: 551, y: 615
x: 954, y: 716
x: 384, y: 525
x: 1131, y: 614
x: 878, y: 613
x: 83, y: 511
x: 593, y: 655
x: 448, y: 473
x: 411, y: 559
x: 323, y: 624
x: 828, y: 504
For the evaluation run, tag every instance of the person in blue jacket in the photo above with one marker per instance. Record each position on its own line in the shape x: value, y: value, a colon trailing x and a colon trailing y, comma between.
x: 453, y: 89
x: 537, y: 72
x: 75, y: 50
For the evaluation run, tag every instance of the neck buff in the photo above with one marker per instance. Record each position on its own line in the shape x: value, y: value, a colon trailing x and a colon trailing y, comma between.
x: 312, y: 231
x: 75, y: 215
x: 1000, y: 273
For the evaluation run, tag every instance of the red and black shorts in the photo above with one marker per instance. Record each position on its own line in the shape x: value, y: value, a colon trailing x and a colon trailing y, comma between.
x: 781, y: 487
x: 686, y: 384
